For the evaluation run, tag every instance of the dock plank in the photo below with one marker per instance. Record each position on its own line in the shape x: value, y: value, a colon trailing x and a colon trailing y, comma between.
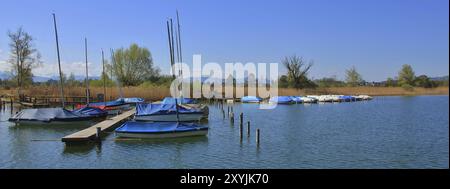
x: 89, y: 133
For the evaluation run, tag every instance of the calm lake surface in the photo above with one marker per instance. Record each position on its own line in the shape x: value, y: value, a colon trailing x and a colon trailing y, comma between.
x: 387, y: 132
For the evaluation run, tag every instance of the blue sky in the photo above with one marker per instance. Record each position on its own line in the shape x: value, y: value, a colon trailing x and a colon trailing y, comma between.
x: 375, y: 36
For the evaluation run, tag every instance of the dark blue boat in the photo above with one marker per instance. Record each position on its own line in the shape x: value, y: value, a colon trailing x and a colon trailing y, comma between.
x: 281, y: 100
x: 251, y: 99
x: 58, y: 116
x: 171, y: 100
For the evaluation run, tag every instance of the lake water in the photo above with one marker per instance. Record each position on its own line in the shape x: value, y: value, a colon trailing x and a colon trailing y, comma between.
x: 387, y: 132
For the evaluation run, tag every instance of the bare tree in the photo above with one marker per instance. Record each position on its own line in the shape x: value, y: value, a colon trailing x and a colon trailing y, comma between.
x: 297, y: 71
x: 23, y: 57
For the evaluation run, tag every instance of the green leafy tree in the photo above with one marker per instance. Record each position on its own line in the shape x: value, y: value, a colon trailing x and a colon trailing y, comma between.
x: 132, y: 66
x: 424, y: 81
x: 353, y: 78
x: 406, y: 75
x: 390, y: 82
x: 297, y: 71
x: 23, y: 58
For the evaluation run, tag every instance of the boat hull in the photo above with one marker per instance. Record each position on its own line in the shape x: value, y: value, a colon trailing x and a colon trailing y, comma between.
x: 202, y: 132
x: 170, y: 117
x: 54, y: 123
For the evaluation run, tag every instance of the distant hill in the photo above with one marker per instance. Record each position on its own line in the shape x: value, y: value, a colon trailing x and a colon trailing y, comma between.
x: 443, y: 78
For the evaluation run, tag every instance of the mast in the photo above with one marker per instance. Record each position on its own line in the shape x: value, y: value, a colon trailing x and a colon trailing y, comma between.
x: 179, y: 42
x: 59, y: 63
x: 87, y: 74
x: 104, y: 79
x: 170, y: 50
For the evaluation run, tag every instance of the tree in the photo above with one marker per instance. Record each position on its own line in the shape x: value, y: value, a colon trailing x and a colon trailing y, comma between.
x: 283, y: 82
x: 424, y: 81
x: 390, y: 82
x: 329, y: 82
x: 23, y: 57
x: 133, y: 65
x: 297, y: 71
x: 406, y: 75
x: 353, y: 78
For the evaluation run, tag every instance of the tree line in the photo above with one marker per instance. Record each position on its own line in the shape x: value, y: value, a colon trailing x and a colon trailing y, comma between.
x: 298, y: 68
x: 133, y: 66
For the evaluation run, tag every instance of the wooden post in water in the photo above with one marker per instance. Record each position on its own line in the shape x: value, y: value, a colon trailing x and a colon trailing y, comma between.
x: 248, y: 128
x: 241, y: 131
x: 97, y: 134
x: 257, y: 137
x: 232, y: 117
x: 241, y: 118
x: 11, y: 104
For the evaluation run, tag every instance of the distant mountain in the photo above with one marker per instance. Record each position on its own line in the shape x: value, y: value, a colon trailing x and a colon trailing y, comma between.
x: 45, y: 79
x: 442, y: 78
x: 4, y: 75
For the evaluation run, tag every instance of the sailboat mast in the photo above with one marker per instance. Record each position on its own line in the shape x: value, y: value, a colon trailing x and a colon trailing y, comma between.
x: 59, y: 63
x: 87, y: 73
x: 179, y: 42
x: 170, y: 50
x: 103, y: 77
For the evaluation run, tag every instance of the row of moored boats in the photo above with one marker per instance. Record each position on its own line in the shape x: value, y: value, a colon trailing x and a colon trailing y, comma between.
x: 305, y: 99
x: 171, y: 117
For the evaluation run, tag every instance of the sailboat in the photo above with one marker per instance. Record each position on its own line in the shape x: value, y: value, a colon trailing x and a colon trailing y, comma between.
x: 150, y: 119
x: 111, y: 107
x: 60, y: 115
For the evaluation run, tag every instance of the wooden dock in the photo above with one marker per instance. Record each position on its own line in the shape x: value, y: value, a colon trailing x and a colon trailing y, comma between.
x: 90, y: 133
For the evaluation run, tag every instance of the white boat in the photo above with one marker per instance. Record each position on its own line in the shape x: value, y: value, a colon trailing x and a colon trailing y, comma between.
x: 306, y: 99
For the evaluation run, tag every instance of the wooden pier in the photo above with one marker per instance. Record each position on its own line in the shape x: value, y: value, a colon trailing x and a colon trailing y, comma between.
x: 89, y: 134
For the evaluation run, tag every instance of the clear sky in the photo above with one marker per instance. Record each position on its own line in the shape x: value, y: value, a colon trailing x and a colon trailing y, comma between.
x: 376, y: 36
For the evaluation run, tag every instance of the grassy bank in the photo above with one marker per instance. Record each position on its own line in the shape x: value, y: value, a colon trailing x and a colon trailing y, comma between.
x: 159, y: 92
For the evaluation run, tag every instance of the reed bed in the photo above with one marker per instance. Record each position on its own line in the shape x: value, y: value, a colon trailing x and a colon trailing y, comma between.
x: 153, y: 93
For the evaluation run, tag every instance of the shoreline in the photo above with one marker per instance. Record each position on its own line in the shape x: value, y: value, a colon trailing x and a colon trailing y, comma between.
x: 159, y: 92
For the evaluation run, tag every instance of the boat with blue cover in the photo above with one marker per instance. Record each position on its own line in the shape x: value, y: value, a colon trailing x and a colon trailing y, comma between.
x: 112, y: 107
x: 251, y: 99
x: 281, y: 100
x: 167, y: 112
x: 58, y: 116
x: 171, y: 100
x: 135, y: 129
x: 297, y: 99
x: 131, y: 100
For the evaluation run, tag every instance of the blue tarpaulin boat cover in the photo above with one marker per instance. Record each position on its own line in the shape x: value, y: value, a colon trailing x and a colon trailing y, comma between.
x: 152, y: 127
x: 281, y: 99
x: 49, y: 114
x: 91, y: 111
x: 131, y: 100
x: 118, y: 102
x: 161, y: 109
x: 347, y: 98
x: 296, y: 99
x: 171, y: 100
x: 251, y: 99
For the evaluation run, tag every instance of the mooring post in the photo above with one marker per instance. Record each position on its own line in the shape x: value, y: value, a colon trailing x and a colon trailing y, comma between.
x: 257, y: 137
x: 232, y: 117
x: 97, y: 134
x: 240, y: 131
x: 223, y: 114
x: 11, y: 104
x: 241, y: 118
x: 248, y: 128
x: 228, y: 110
